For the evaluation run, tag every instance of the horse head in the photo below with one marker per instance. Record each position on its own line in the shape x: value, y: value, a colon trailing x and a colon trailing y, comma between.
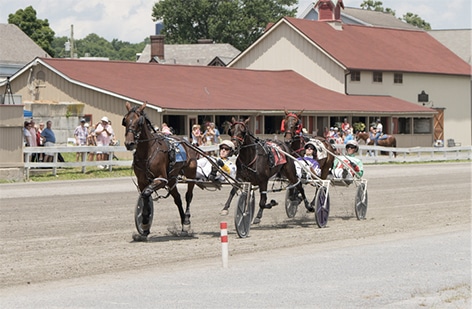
x: 133, y: 121
x: 238, y: 131
x: 291, y: 125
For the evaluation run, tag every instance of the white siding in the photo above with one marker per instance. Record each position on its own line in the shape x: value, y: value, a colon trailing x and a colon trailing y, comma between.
x: 286, y: 49
x: 451, y: 92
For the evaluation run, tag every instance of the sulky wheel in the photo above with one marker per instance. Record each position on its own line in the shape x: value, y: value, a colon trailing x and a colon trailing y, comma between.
x: 140, y: 213
x: 321, y: 207
x: 292, y: 200
x: 361, y: 201
x: 244, y: 214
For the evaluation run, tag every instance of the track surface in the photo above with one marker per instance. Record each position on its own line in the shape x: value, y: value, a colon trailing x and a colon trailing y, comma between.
x: 64, y: 230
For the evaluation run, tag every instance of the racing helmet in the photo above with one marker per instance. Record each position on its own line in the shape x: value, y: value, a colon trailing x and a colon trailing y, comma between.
x: 310, y: 143
x: 228, y: 143
x: 353, y: 143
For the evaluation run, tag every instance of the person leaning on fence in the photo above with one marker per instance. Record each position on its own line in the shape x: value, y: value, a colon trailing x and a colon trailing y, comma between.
x: 80, y: 134
x: 309, y: 161
x: 49, y: 139
x: 348, y: 165
x: 206, y: 170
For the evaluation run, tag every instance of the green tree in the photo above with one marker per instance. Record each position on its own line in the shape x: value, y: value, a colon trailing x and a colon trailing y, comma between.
x: 417, y: 21
x: 409, y: 18
x: 237, y: 22
x: 37, y: 29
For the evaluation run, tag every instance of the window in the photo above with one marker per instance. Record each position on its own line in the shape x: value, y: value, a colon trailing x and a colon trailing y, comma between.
x: 404, y: 125
x: 377, y: 77
x: 398, y: 78
x: 422, y: 125
x: 272, y: 124
x: 355, y: 76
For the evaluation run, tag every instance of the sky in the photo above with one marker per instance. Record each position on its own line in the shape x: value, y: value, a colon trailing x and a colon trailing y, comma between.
x: 131, y: 20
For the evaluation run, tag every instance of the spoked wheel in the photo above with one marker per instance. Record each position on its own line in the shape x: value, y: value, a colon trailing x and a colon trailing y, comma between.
x: 244, y: 214
x: 321, y: 207
x: 143, y: 228
x: 292, y: 200
x: 361, y: 201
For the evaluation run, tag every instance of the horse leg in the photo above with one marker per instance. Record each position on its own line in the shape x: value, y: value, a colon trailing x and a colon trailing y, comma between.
x: 146, y: 196
x: 262, y: 203
x: 188, y: 200
x: 308, y: 206
x: 224, y: 211
x: 184, y: 220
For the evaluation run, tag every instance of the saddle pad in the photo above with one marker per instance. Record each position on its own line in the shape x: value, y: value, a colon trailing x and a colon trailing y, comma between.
x: 279, y: 157
x: 322, y: 153
x: 180, y: 154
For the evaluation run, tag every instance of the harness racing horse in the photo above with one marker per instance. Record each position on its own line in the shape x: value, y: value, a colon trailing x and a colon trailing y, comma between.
x: 256, y: 164
x: 156, y: 167
x: 384, y: 140
x: 292, y: 127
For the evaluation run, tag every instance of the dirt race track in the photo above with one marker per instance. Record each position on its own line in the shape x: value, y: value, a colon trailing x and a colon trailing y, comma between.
x: 59, y: 230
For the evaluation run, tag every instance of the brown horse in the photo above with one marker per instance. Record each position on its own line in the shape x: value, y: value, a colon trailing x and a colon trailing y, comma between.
x: 255, y: 164
x: 155, y: 165
x: 385, y: 140
x: 292, y: 128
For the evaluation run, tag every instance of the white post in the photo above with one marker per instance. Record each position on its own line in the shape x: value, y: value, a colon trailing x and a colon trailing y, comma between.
x: 224, y: 243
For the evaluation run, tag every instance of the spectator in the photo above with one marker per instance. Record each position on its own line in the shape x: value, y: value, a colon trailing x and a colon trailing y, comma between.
x: 349, y: 136
x: 34, y: 140
x: 196, y: 135
x: 91, y: 141
x: 345, y: 126
x: 49, y: 140
x: 209, y: 135
x: 80, y: 134
x: 165, y: 129
x: 103, y: 133
x: 216, y: 137
x: 205, y: 170
x: 39, y: 140
x: 347, y: 166
x: 27, y: 134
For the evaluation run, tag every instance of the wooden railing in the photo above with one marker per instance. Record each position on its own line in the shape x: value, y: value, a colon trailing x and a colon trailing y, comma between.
x: 368, y: 154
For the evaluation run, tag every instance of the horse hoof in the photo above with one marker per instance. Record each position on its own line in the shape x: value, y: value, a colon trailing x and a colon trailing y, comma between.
x: 186, y: 228
x: 256, y: 221
x: 224, y: 212
x: 139, y: 237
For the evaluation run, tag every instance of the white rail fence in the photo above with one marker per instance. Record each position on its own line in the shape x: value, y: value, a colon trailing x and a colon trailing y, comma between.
x: 368, y: 154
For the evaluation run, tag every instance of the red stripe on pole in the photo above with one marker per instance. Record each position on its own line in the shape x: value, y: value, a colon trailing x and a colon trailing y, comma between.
x: 224, y: 239
x: 223, y: 225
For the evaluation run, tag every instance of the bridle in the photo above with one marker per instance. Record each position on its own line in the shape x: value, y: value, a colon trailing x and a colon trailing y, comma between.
x: 238, y: 139
x: 136, y: 132
x: 293, y: 130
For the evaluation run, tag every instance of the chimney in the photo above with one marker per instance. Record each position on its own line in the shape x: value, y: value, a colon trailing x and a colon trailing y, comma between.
x: 157, y: 46
x: 329, y: 10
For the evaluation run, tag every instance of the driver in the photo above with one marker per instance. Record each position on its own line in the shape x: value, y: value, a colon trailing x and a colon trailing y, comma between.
x: 342, y: 170
x: 308, y: 161
x: 205, y: 170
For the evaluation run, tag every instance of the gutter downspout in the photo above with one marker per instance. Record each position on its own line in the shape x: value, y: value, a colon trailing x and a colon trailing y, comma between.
x: 345, y: 82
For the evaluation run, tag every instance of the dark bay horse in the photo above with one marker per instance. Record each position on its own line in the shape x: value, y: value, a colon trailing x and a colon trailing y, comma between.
x: 292, y: 128
x: 155, y: 166
x: 254, y: 163
x: 384, y: 140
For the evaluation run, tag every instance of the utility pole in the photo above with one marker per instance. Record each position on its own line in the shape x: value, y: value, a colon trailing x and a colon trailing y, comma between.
x: 72, y: 41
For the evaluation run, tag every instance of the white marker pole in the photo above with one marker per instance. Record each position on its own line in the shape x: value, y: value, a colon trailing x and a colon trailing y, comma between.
x: 224, y: 243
